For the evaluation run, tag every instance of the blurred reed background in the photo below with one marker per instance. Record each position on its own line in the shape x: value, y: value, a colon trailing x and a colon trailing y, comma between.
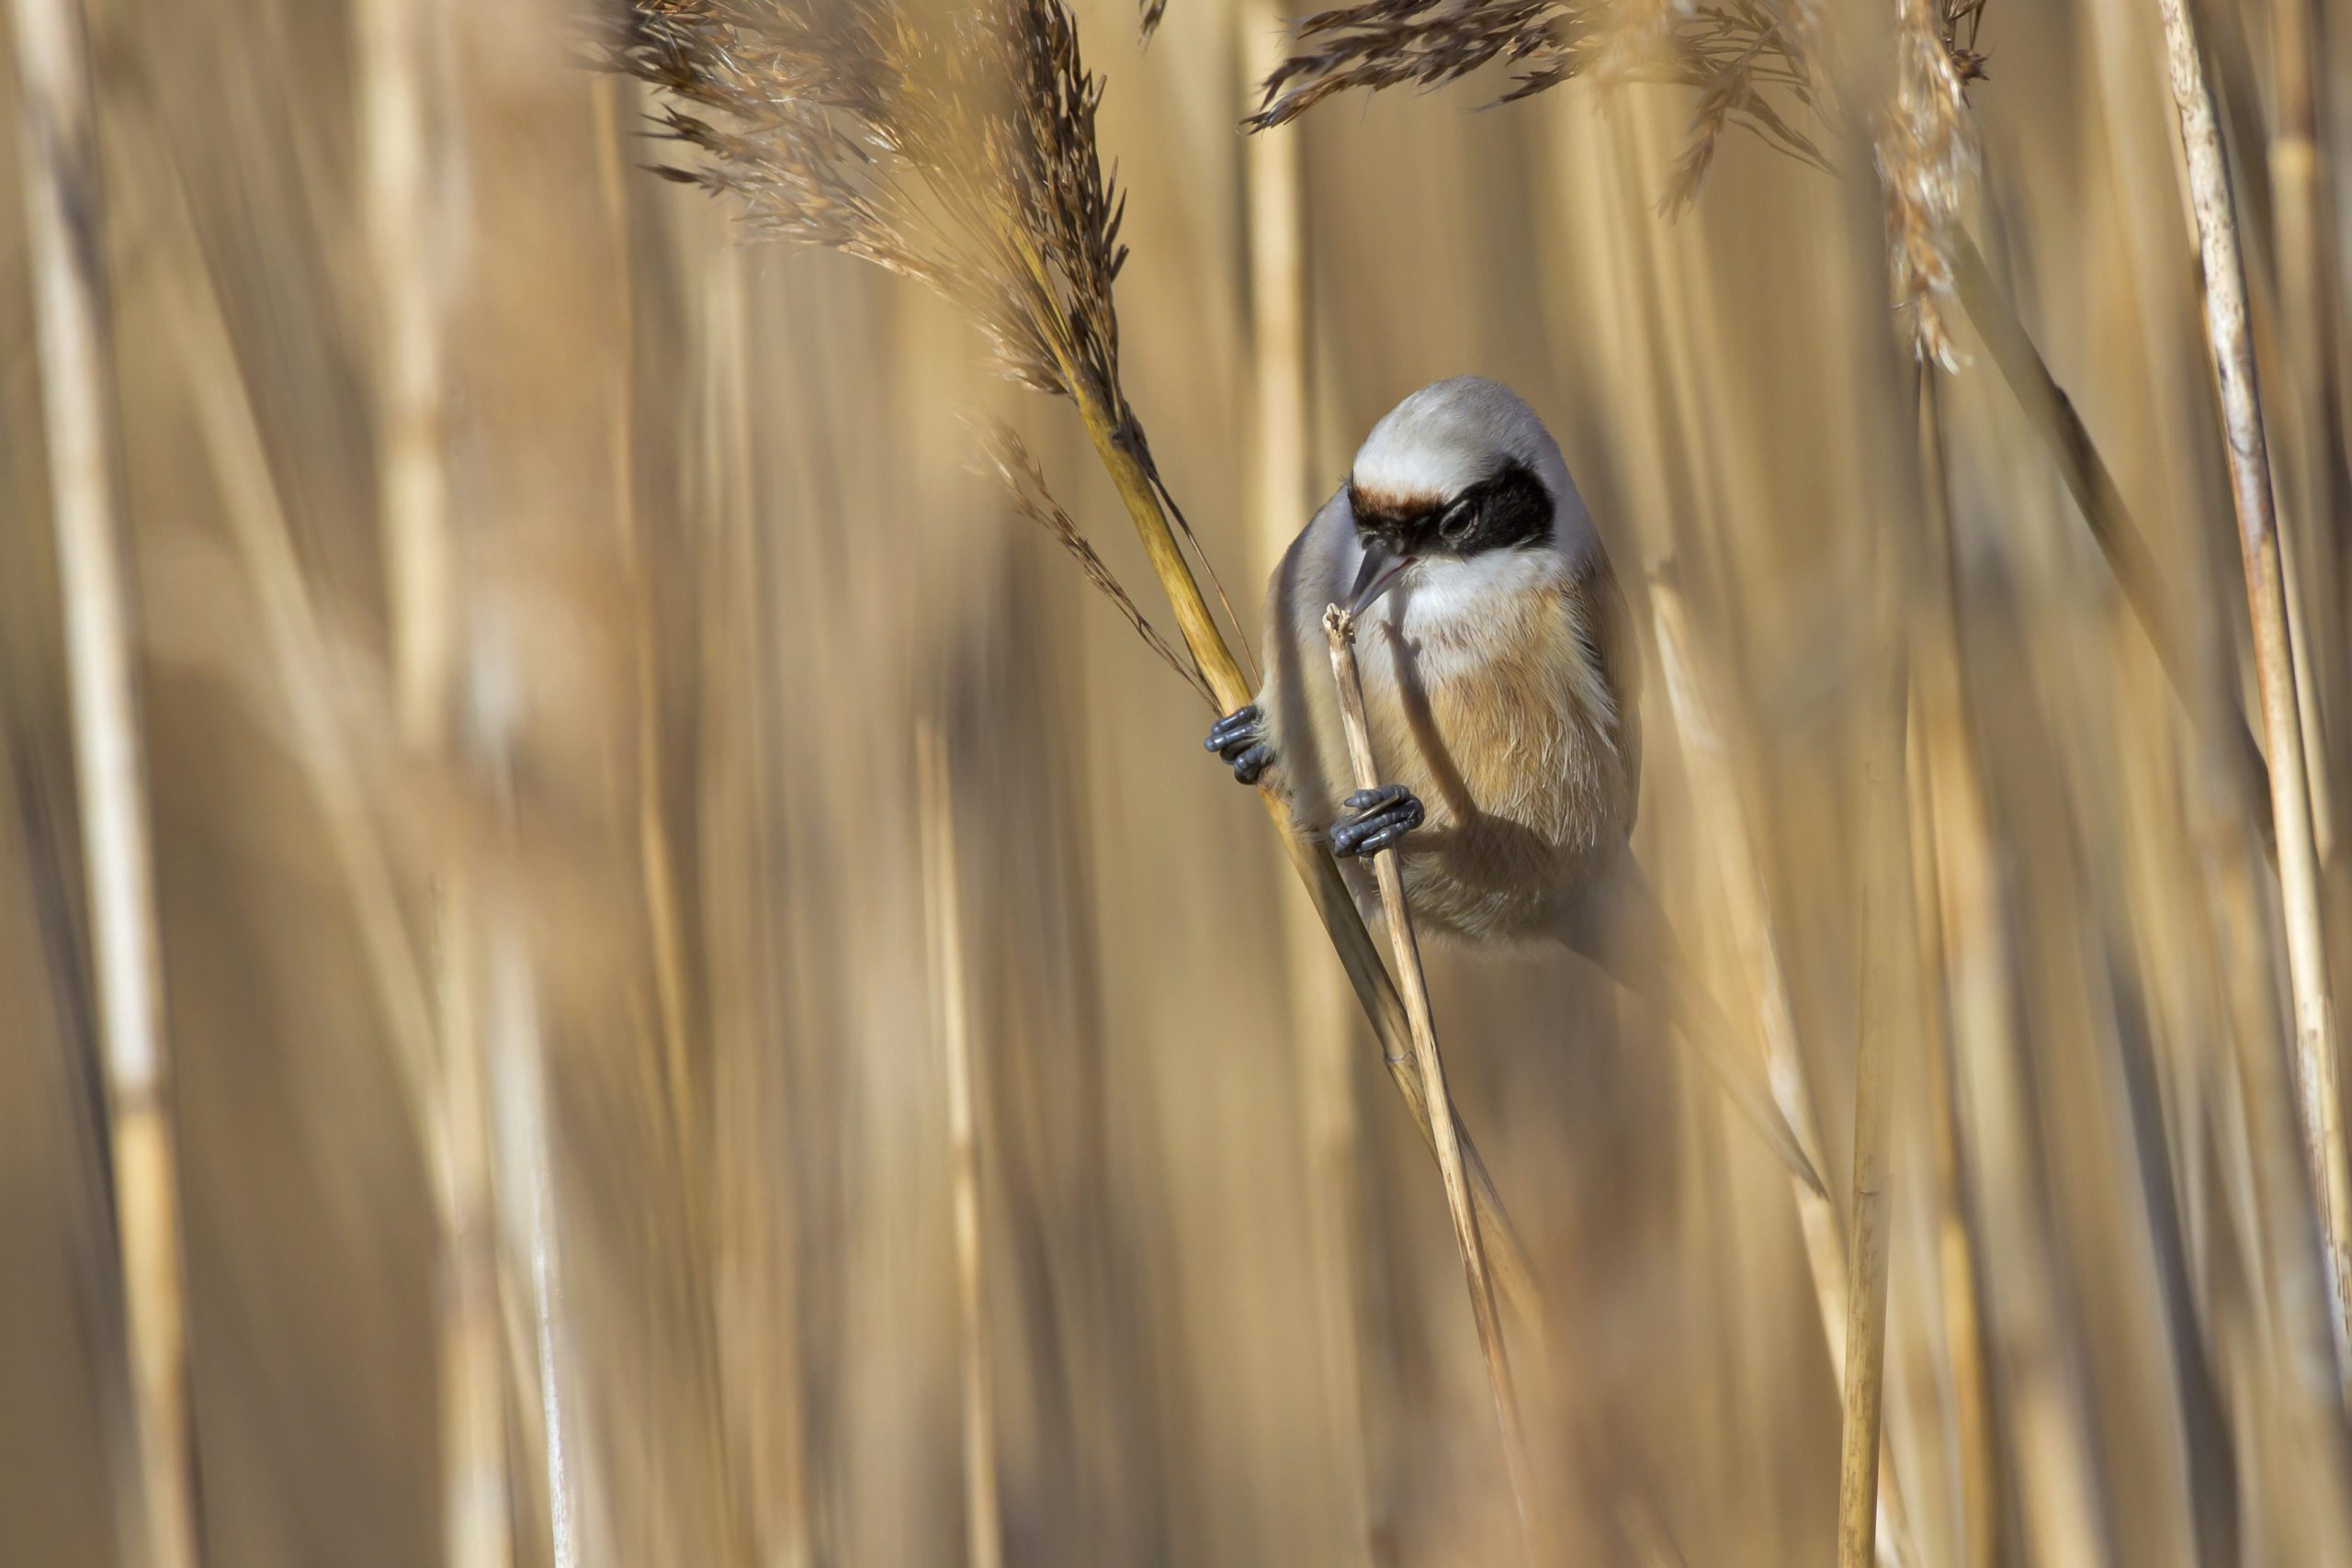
x: 628, y: 1111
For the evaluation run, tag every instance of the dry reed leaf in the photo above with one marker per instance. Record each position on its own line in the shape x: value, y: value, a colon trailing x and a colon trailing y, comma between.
x: 1024, y: 481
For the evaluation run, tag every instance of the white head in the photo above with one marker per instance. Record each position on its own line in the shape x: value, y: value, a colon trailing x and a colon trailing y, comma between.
x: 1461, y: 474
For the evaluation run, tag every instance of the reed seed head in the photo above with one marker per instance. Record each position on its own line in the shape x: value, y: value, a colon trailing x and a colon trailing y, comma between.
x: 1925, y: 144
x: 1757, y: 63
x: 1739, y: 55
x: 952, y: 144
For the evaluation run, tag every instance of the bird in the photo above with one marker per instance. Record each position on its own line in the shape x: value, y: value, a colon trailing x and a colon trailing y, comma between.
x: 1502, y: 685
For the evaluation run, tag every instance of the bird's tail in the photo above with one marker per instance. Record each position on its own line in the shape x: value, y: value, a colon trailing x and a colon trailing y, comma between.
x: 1623, y: 929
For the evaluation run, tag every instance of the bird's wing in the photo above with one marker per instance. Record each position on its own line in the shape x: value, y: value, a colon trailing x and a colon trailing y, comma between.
x: 1300, y: 708
x: 1607, y: 628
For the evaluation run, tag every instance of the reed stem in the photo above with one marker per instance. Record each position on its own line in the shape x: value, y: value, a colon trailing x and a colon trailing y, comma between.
x: 984, y: 1529
x: 1317, y: 1019
x: 65, y: 208
x: 1884, y: 906
x: 1939, y: 726
x: 2316, y: 1093
x: 2304, y: 255
x: 396, y: 40
x: 1341, y: 628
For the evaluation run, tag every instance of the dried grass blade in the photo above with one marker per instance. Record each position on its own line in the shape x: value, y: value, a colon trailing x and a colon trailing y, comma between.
x: 1024, y: 481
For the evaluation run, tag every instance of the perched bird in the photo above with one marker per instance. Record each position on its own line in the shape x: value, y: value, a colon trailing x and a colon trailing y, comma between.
x: 1502, y: 684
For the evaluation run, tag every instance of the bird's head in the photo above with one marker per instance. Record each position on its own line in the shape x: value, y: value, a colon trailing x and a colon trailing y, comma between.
x: 1458, y: 472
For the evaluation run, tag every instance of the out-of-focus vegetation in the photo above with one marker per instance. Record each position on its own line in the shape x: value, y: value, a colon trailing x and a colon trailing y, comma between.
x: 628, y: 1111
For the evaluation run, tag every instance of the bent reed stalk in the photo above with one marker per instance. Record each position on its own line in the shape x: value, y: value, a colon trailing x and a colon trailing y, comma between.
x: 1339, y: 627
x: 2317, y: 1095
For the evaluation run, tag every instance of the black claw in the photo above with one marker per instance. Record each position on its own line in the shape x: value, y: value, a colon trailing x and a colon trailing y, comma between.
x: 1238, y: 725
x: 1240, y: 737
x: 1374, y: 799
x: 1384, y: 816
x: 1387, y: 837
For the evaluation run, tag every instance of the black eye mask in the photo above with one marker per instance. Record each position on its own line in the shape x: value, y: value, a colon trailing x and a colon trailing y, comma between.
x: 1509, y: 508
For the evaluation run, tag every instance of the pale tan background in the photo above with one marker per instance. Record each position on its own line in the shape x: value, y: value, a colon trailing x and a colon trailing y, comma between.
x: 719, y: 502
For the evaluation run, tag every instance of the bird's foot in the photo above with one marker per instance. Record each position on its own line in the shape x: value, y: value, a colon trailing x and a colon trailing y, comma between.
x: 1240, y: 738
x: 1384, y: 817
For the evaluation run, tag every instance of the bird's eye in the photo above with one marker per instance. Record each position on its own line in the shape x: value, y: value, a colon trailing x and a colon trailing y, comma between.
x: 1456, y: 519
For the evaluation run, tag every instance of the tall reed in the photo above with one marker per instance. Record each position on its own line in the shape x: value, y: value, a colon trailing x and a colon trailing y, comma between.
x: 1319, y: 1024
x: 1938, y: 728
x: 1339, y: 628
x: 984, y: 1531
x: 1885, y: 1028
x: 399, y: 46
x: 2317, y: 1094
x: 65, y: 210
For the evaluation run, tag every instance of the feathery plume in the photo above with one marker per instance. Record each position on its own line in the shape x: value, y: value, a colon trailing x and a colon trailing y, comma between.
x: 1757, y: 63
x: 1381, y: 43
x: 1925, y: 146
x: 1739, y: 54
x: 952, y: 143
x: 1025, y: 482
x: 956, y: 149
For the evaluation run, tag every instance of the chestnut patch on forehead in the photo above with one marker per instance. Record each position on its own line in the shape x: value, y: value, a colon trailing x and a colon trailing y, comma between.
x: 1509, y: 508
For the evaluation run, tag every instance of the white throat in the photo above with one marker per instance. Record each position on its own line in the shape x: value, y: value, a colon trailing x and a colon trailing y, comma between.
x: 1444, y: 605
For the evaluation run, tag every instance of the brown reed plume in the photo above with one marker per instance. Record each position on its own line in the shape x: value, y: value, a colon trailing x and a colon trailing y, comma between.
x: 1384, y: 43
x: 1740, y: 56
x: 958, y: 149
x: 1925, y: 146
x: 862, y: 128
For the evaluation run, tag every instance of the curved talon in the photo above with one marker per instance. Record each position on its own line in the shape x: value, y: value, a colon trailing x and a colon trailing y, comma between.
x: 1240, y: 722
x: 1240, y: 737
x: 1384, y: 817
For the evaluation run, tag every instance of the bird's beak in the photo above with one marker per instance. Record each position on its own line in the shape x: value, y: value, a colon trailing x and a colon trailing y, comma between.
x: 1382, y: 567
